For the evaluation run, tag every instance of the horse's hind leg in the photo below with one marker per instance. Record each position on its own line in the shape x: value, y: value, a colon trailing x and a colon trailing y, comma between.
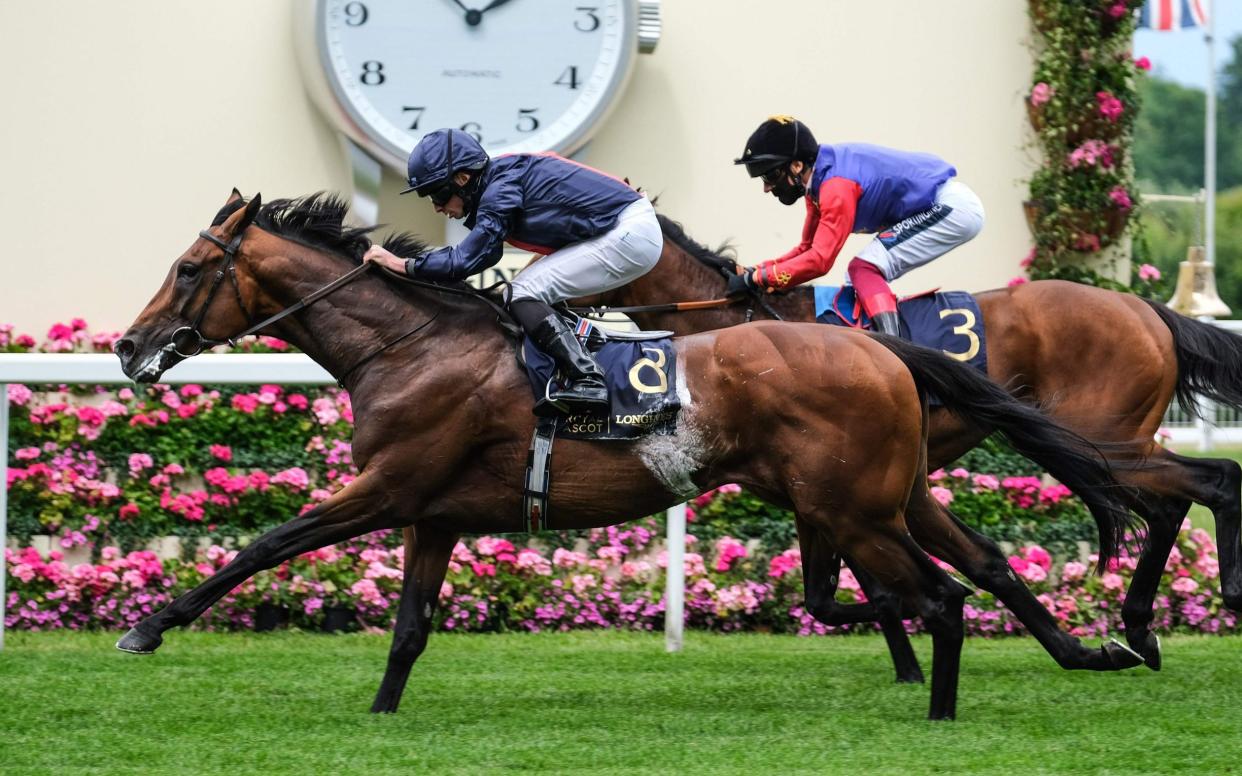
x: 820, y: 567
x: 941, y: 533
x: 427, y: 553
x: 881, y: 548
x: 1165, y: 498
x: 358, y: 509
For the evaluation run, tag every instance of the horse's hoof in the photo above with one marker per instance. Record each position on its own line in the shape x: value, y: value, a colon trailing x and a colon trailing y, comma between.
x: 1146, y: 644
x: 914, y: 678
x: 138, y: 642
x: 1121, y: 657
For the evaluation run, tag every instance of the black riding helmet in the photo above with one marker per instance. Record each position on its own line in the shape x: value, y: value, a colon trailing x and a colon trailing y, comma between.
x: 778, y: 140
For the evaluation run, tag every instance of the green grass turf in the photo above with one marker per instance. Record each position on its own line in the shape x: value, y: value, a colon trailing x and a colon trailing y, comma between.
x: 602, y: 702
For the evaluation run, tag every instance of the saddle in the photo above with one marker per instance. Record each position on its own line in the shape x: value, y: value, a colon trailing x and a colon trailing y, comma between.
x: 948, y: 321
x: 640, y: 369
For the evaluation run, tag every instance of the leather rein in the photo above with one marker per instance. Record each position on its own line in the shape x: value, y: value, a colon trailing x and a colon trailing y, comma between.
x: 756, y: 298
x: 188, y: 341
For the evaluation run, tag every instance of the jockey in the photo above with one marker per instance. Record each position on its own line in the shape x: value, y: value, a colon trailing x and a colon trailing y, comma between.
x: 595, y: 231
x: 912, y: 200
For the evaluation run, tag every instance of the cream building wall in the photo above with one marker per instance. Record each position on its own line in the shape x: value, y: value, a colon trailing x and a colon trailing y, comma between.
x: 125, y: 125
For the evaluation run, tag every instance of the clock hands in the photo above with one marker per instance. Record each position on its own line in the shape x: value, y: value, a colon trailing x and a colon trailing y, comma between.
x: 493, y: 4
x: 475, y: 16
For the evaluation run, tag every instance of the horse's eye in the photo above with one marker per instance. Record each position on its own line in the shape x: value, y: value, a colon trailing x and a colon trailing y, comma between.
x: 187, y: 271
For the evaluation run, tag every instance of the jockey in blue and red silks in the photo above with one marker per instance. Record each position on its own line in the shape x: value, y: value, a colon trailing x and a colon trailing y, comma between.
x: 596, y: 232
x: 912, y: 200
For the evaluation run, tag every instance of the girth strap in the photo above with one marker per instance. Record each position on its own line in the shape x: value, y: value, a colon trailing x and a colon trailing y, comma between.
x: 538, y: 476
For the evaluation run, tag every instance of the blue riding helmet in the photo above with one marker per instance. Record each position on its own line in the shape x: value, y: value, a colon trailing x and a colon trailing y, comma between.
x: 440, y: 154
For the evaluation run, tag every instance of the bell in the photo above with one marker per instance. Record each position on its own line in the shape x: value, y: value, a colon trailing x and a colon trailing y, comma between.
x: 1196, y: 287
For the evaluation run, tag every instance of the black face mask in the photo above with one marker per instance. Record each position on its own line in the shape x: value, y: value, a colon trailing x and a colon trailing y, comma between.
x: 786, y: 191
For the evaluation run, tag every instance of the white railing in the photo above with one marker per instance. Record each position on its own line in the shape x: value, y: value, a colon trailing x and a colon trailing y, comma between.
x: 233, y: 369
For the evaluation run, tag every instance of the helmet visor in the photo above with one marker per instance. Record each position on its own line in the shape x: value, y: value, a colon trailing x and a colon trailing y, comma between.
x: 764, y: 165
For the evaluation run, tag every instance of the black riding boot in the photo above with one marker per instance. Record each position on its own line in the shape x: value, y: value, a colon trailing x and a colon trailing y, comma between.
x: 888, y: 323
x: 586, y: 392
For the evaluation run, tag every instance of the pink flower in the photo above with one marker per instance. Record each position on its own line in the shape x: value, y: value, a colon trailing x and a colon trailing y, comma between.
x: 1110, y: 107
x: 1041, y: 93
x: 1121, y: 198
x: 1143, y: 63
x: 1030, y: 259
x: 1148, y: 272
x: 1018, y: 564
x: 139, y: 462
x: 128, y: 511
x: 1073, y: 571
x: 27, y: 453
x: 1034, y: 573
x: 1091, y: 153
x: 986, y: 482
x: 222, y: 452
x: 1016, y: 281
x: 245, y: 402
x: 782, y: 564
x: 1087, y: 242
x: 728, y: 550
x: 943, y: 495
x: 1185, y: 585
x: 296, y: 478
x: 959, y: 473
x: 1112, y: 581
x: 1038, y: 555
x: 1117, y: 9
x: 19, y: 395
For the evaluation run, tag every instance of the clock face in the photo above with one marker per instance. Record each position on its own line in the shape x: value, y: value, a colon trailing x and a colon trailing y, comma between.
x: 522, y: 75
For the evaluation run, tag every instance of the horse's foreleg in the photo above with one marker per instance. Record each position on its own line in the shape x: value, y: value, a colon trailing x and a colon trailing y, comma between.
x: 356, y: 510
x: 427, y: 553
x: 820, y: 574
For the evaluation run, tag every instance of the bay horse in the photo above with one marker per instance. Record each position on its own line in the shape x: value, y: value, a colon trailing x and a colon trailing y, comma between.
x: 829, y: 423
x: 1105, y: 364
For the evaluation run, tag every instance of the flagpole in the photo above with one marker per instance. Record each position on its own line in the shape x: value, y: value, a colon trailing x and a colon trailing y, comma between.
x: 1209, y: 156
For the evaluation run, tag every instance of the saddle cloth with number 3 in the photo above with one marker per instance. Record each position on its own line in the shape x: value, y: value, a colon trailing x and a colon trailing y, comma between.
x: 948, y: 321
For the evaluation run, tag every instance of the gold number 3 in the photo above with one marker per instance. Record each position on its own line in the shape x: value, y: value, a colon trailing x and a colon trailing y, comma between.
x: 657, y: 364
x: 965, y: 330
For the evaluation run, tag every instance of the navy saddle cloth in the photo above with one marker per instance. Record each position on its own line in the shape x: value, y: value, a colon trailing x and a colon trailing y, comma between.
x: 948, y: 321
x: 642, y: 380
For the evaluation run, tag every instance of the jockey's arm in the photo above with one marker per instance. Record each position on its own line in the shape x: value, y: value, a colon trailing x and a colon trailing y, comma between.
x: 480, y: 249
x: 827, y: 228
x: 484, y: 245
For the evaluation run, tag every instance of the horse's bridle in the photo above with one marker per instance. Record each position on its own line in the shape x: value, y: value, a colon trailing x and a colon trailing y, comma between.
x: 192, y: 342
x: 188, y: 341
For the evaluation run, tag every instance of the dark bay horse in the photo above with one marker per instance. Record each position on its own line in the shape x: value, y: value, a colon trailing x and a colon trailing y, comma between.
x: 828, y: 423
x: 1105, y: 364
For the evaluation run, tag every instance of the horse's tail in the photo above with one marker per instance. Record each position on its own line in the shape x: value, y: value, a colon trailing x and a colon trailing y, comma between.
x: 1069, y: 457
x: 1209, y: 360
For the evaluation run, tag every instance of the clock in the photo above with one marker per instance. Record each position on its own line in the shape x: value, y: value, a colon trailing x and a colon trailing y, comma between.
x: 518, y: 75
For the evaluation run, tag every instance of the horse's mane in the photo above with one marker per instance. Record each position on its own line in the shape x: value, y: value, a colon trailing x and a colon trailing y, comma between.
x: 720, y: 259
x: 318, y: 221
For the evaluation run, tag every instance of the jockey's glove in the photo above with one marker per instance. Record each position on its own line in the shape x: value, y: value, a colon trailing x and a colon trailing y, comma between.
x: 745, y: 283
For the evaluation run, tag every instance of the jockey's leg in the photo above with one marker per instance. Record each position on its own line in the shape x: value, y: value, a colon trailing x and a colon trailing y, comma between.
x: 877, y: 298
x: 955, y: 218
x: 584, y: 390
x: 622, y: 254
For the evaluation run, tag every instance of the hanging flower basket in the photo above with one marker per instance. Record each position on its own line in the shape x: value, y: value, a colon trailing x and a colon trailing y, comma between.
x: 1087, y: 231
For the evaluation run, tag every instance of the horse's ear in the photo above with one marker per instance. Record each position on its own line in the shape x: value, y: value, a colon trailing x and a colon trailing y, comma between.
x: 236, y: 195
x: 244, y: 217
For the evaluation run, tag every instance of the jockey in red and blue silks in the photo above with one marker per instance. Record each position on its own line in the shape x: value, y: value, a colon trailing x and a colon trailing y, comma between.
x: 911, y: 200
x: 596, y: 232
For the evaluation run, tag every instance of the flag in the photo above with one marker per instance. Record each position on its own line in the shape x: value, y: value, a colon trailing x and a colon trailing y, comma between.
x: 1164, y: 15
